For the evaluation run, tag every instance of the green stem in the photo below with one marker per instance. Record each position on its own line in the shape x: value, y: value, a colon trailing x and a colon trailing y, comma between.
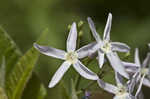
x: 77, y: 82
x: 93, y: 82
x: 79, y: 77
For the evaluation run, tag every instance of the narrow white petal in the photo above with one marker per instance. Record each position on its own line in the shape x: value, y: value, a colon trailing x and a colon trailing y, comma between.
x: 146, y: 61
x: 100, y: 58
x: 107, y: 87
x: 130, y: 71
x: 130, y: 67
x: 93, y: 29
x: 119, y: 79
x: 49, y: 51
x: 86, y: 50
x: 140, y: 85
x: 146, y: 82
x: 132, y: 82
x: 137, y: 58
x: 120, y: 47
x: 127, y: 64
x: 72, y: 38
x: 59, y: 74
x: 108, y: 28
x: 116, y: 64
x: 84, y: 71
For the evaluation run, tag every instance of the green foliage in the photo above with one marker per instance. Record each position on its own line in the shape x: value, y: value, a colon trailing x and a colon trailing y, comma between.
x: 2, y: 80
x: 34, y: 89
x: 22, y: 71
x: 64, y: 93
x: 2, y: 93
x: 2, y: 73
x: 18, y: 69
x: 8, y: 49
x: 42, y: 92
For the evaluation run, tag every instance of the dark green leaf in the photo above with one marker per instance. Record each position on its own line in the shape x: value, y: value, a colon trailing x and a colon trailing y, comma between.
x: 21, y: 73
x: 2, y: 73
x: 34, y: 89
x: 2, y: 80
x: 8, y: 49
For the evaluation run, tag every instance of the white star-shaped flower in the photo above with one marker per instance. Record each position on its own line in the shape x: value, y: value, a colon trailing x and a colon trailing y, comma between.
x: 71, y: 57
x: 143, y: 70
x: 108, y: 48
x: 121, y: 91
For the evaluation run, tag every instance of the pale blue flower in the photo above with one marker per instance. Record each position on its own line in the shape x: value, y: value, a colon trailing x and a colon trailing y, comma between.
x: 106, y: 47
x: 122, y: 90
x: 71, y: 57
x: 144, y: 71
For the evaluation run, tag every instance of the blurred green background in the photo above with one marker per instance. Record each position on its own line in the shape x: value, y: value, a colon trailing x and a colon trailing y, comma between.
x: 25, y: 20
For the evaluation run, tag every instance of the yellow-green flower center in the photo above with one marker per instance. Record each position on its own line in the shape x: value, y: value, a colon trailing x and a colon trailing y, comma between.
x: 121, y: 90
x: 144, y: 71
x: 122, y: 93
x: 123, y: 96
x: 71, y: 57
x: 106, y: 47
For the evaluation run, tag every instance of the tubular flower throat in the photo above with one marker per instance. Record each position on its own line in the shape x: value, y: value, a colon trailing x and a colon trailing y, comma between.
x: 144, y: 71
x: 106, y: 47
x: 121, y: 93
x: 71, y: 57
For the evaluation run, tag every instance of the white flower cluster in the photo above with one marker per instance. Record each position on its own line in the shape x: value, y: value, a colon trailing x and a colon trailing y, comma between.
x: 136, y: 73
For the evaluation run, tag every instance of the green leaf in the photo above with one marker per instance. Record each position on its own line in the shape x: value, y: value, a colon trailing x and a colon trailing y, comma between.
x: 2, y: 93
x: 2, y: 73
x: 8, y: 49
x: 42, y: 92
x: 21, y: 73
x: 2, y: 80
x: 34, y: 89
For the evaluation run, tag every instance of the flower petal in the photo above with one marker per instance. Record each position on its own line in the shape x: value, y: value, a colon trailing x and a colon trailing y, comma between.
x: 86, y: 50
x: 146, y: 61
x: 132, y: 82
x: 84, y: 71
x: 72, y: 38
x: 140, y: 85
x: 119, y: 79
x: 107, y: 87
x: 130, y: 67
x: 116, y: 64
x: 100, y: 58
x: 93, y: 29
x: 120, y: 47
x: 137, y: 59
x: 59, y: 74
x: 108, y: 28
x: 146, y: 82
x: 49, y: 51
